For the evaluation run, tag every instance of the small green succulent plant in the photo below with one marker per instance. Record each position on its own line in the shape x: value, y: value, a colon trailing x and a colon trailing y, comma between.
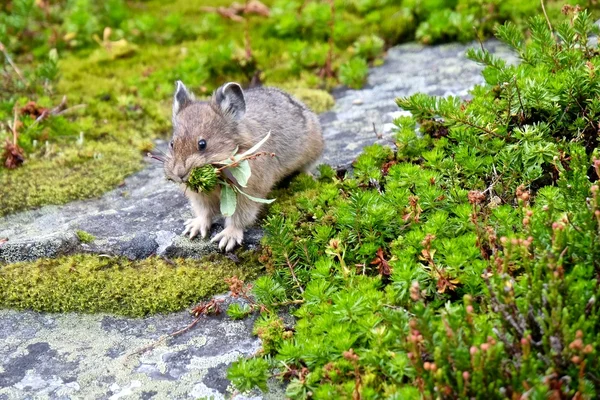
x: 203, y: 179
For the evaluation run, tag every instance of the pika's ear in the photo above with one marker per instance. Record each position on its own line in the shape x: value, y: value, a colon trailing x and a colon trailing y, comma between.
x: 230, y: 99
x: 181, y: 99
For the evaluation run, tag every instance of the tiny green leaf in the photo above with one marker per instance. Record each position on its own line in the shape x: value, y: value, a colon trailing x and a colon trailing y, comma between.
x: 228, y: 201
x: 257, y: 199
x: 241, y: 173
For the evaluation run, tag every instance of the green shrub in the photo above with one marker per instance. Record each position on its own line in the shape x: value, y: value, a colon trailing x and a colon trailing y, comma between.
x: 354, y: 73
x: 464, y: 263
x: 368, y: 47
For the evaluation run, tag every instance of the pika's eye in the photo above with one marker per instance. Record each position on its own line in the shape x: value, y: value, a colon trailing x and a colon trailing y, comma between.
x: 171, y: 144
x: 201, y: 144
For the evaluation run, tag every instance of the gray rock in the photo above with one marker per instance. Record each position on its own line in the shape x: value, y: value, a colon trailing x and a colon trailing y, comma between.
x: 86, y: 356
x: 144, y: 216
x: 68, y: 356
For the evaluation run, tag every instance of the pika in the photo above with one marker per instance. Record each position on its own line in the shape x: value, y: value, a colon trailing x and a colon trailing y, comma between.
x: 206, y: 132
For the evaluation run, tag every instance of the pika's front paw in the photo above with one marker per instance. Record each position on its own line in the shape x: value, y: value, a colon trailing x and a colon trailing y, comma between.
x: 197, y: 225
x: 229, y: 237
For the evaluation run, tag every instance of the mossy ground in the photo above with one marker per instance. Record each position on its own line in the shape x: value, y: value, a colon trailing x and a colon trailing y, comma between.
x: 73, y: 174
x: 91, y: 283
x: 127, y: 97
x: 125, y: 80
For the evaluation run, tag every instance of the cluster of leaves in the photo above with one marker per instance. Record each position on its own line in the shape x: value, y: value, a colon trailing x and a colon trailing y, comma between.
x: 38, y: 26
x: 464, y: 264
x: 466, y: 20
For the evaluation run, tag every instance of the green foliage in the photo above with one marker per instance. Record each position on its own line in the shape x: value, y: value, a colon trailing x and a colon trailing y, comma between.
x: 354, y: 73
x: 91, y: 284
x: 462, y: 265
x: 237, y: 311
x: 368, y: 47
x: 249, y: 373
x: 466, y: 20
x: 85, y: 237
x: 203, y: 179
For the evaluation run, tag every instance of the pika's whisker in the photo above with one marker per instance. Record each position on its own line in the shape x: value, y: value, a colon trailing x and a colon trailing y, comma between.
x: 155, y: 157
x: 161, y: 152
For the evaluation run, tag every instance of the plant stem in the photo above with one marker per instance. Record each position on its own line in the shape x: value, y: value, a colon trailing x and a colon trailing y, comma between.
x: 247, y: 33
x: 291, y: 267
x: 547, y: 19
x: 12, y: 64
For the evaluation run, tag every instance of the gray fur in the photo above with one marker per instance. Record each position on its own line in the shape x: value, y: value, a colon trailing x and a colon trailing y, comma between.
x: 234, y: 118
x: 181, y: 99
x: 230, y: 97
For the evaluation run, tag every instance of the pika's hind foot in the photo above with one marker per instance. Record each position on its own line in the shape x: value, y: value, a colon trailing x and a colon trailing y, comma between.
x: 229, y: 237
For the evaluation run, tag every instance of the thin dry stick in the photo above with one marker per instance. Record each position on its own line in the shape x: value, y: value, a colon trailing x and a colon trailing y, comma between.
x: 291, y: 267
x: 547, y: 19
x: 288, y: 303
x: 163, y: 338
x: 247, y: 33
x: 149, y: 347
x: 187, y: 328
x: 327, y: 71
x: 10, y: 61
x: 58, y: 110
x: 14, y: 127
x: 67, y: 110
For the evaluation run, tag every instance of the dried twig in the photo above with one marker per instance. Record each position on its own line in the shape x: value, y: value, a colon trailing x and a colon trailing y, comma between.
x: 13, y: 128
x: 327, y: 71
x: 10, y: 61
x: 144, y: 349
x: 247, y: 41
x: 60, y: 109
x: 210, y: 307
x: 291, y: 267
x: 288, y: 303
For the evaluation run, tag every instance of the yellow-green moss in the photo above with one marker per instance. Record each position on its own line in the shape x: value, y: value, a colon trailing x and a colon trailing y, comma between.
x: 91, y: 283
x: 85, y: 237
x: 317, y: 100
x: 74, y: 173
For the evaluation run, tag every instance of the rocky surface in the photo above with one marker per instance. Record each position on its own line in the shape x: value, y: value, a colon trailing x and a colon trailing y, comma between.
x: 144, y: 216
x: 81, y: 356
x: 68, y: 356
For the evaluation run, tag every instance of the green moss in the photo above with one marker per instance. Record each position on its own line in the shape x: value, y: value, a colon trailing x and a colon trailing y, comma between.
x: 91, y: 283
x: 317, y: 100
x: 85, y: 237
x: 75, y: 173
